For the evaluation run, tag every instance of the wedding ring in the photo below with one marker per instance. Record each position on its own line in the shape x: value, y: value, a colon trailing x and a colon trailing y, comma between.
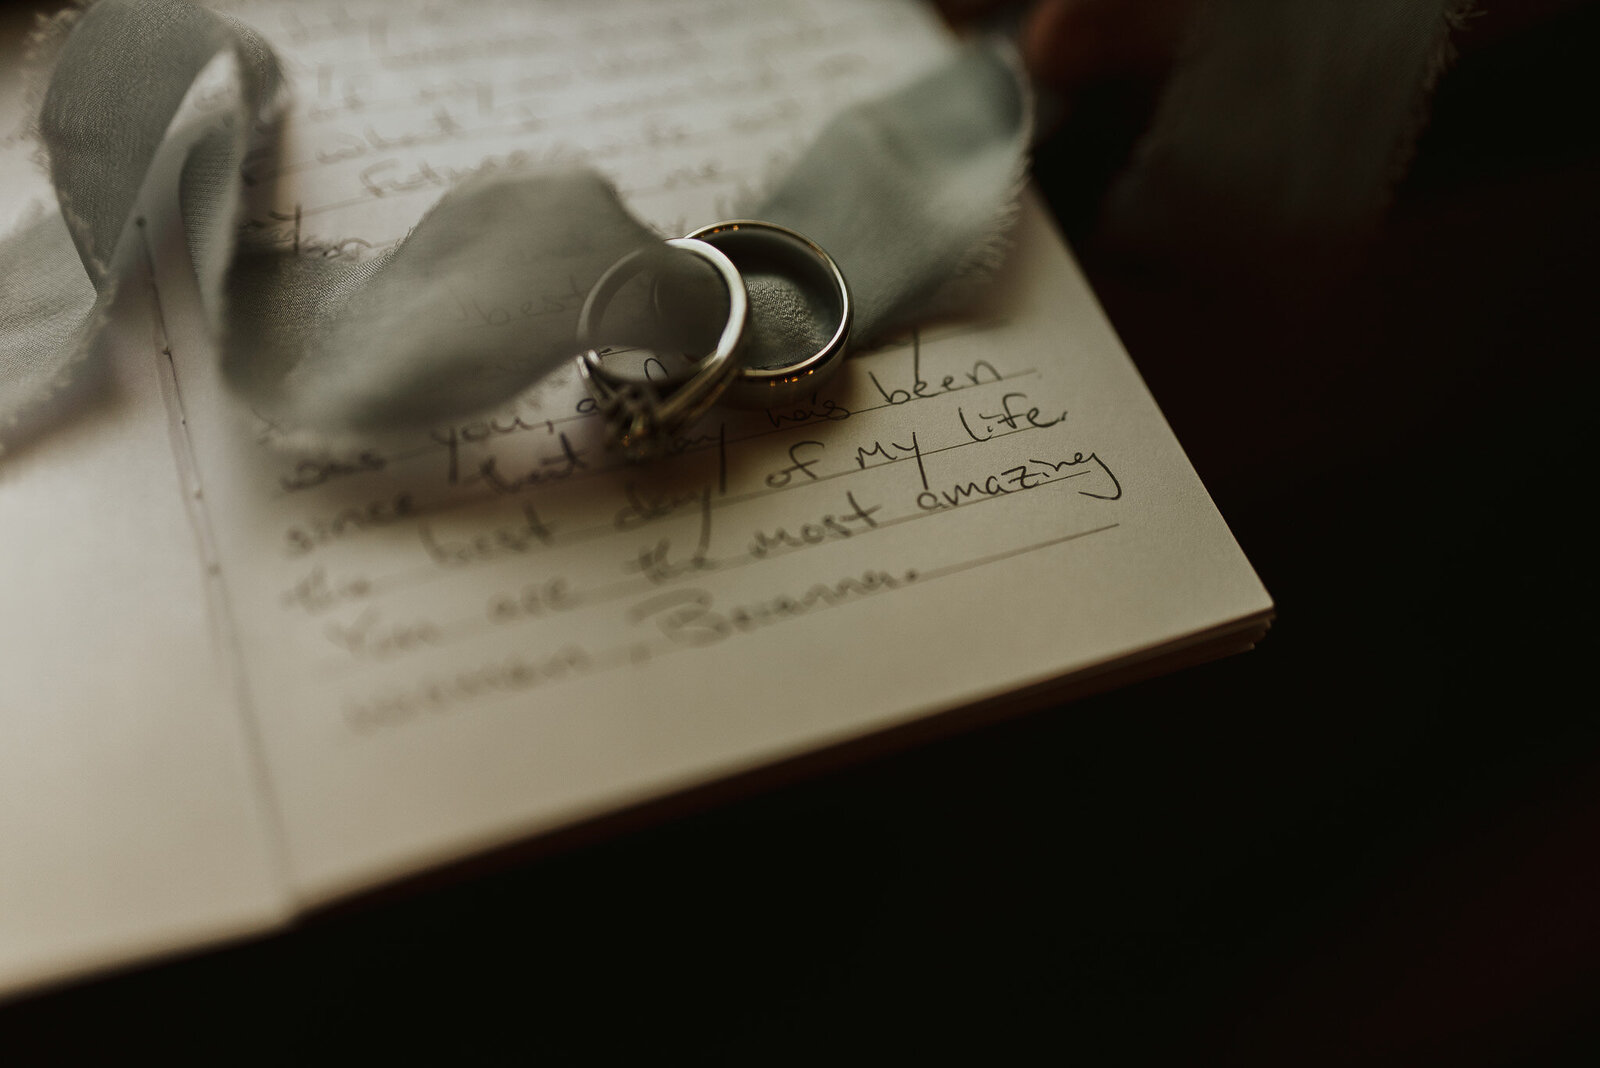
x: 643, y: 415
x: 776, y: 260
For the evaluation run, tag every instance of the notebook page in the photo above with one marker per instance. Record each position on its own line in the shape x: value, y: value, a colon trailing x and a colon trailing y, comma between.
x: 130, y: 820
x: 498, y: 627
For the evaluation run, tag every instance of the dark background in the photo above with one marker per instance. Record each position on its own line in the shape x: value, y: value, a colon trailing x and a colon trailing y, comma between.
x: 1373, y: 840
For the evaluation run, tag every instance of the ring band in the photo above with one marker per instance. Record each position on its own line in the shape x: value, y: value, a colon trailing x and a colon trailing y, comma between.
x: 642, y: 416
x: 753, y: 245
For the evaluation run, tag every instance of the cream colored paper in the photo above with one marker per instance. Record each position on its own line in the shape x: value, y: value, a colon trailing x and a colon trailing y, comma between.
x: 131, y: 820
x: 451, y: 641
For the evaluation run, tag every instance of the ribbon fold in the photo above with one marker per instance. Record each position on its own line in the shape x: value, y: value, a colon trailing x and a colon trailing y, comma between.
x: 909, y: 193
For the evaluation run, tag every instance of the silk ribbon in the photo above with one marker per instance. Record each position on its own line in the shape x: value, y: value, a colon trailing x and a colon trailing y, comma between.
x: 910, y: 193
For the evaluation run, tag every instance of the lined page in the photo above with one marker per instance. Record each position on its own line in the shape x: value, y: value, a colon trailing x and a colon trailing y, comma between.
x: 499, y: 627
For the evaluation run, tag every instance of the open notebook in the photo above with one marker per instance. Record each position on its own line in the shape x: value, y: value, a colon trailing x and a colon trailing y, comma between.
x: 240, y: 681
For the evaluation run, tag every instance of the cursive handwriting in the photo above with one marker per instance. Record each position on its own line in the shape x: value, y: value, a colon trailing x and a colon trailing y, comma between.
x: 542, y: 558
x: 306, y: 537
x: 689, y: 616
x: 526, y: 534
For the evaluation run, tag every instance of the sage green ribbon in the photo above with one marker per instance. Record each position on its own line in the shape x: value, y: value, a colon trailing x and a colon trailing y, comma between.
x: 910, y: 193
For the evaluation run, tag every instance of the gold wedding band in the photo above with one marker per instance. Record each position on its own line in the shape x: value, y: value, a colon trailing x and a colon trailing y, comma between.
x: 762, y: 247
